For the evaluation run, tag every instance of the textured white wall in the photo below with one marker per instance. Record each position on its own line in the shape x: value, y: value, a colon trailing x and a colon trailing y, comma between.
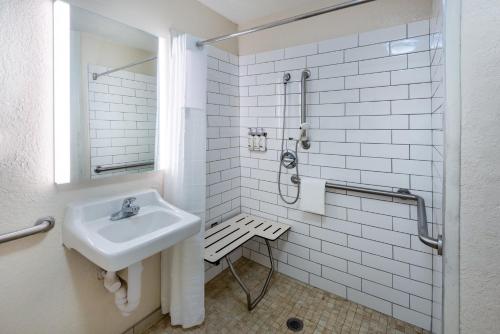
x: 57, y: 288
x: 44, y: 287
x: 480, y: 175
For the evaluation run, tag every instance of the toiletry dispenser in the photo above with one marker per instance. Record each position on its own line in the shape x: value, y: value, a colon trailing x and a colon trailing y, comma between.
x: 257, y: 139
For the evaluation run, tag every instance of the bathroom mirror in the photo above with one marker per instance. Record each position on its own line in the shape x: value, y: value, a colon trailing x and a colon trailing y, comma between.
x: 112, y: 97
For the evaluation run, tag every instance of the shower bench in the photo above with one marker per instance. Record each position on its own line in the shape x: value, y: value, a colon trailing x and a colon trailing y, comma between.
x: 223, y: 238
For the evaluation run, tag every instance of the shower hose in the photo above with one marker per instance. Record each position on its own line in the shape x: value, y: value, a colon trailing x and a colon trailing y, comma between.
x: 283, y: 156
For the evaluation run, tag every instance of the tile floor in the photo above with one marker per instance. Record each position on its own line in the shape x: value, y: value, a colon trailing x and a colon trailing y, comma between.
x: 321, y: 312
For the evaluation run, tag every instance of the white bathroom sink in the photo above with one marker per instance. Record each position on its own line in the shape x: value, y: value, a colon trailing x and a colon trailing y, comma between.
x: 114, y: 245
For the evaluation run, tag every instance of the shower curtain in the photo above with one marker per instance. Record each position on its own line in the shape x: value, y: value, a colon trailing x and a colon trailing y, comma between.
x: 181, y: 147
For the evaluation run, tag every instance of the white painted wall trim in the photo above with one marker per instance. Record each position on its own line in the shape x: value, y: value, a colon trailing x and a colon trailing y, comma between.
x: 451, y: 228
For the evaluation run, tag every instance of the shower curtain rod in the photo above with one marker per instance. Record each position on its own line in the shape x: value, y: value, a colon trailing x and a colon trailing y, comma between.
x: 97, y: 75
x: 285, y: 21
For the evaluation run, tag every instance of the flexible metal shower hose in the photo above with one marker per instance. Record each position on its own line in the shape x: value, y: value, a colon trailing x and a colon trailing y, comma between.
x: 282, y: 155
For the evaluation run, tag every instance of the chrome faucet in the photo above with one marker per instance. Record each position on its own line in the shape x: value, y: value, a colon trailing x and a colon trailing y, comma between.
x: 128, y: 209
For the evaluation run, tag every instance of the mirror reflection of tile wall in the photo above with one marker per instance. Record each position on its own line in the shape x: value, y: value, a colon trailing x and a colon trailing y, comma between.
x: 122, y: 113
x: 113, y: 115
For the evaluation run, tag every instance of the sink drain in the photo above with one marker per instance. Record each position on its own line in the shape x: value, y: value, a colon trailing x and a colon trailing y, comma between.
x: 294, y: 324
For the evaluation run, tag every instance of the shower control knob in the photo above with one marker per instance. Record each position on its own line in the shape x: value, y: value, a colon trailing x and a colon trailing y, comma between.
x: 295, y: 179
x: 289, y: 159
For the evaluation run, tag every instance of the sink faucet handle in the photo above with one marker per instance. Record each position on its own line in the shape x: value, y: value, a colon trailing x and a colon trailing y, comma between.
x: 127, y: 202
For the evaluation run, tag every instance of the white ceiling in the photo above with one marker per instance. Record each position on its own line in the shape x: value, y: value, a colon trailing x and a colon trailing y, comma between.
x: 242, y: 11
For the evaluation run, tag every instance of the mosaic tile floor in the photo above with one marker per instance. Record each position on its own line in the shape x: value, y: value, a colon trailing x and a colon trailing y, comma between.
x: 321, y: 312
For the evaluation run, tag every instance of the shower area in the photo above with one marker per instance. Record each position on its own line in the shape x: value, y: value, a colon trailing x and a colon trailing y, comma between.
x: 361, y: 113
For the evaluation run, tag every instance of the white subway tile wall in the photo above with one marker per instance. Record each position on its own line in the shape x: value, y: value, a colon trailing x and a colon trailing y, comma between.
x: 372, y: 110
x: 223, y: 162
x: 122, y: 119
x: 223, y: 141
x: 371, y: 117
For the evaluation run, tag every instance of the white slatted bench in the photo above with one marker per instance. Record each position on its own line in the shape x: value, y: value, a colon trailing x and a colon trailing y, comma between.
x: 222, y: 239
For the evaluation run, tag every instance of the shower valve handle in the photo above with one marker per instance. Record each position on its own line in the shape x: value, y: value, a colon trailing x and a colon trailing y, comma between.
x: 289, y: 159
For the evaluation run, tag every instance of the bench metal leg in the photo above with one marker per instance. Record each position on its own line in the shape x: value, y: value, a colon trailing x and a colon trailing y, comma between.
x: 251, y: 304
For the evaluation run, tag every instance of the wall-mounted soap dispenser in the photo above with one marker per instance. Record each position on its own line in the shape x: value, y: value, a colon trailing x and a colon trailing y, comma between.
x: 263, y: 146
x: 257, y: 139
x: 251, y: 137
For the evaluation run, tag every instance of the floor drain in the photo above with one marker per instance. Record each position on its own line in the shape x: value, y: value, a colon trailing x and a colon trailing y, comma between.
x: 294, y: 324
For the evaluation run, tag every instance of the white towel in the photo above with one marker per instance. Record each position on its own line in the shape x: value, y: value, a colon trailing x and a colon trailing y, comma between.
x: 312, y: 197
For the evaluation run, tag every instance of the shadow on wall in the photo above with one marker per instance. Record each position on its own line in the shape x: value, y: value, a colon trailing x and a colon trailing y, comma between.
x: 82, y: 285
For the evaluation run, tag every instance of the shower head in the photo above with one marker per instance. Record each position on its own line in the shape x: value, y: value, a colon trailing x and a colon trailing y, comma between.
x: 286, y: 78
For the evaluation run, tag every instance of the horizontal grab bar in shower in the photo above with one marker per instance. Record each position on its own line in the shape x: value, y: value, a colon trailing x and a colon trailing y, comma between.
x: 423, y: 233
x: 41, y: 225
x: 100, y: 169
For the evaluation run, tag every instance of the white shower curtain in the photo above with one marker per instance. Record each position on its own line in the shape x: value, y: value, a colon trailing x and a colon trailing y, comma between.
x: 181, y: 148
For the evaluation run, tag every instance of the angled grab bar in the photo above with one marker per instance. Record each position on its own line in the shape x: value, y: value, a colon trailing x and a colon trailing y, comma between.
x: 41, y: 225
x: 423, y: 233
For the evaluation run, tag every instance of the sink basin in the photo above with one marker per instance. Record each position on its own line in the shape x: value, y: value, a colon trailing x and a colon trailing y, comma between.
x: 136, y: 226
x: 115, y: 245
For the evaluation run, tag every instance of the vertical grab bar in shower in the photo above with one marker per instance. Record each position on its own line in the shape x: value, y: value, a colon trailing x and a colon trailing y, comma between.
x: 304, y: 127
x: 303, y: 99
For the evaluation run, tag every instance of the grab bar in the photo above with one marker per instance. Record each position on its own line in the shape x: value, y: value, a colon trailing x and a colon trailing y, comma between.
x: 41, y: 225
x: 423, y: 233
x: 100, y: 169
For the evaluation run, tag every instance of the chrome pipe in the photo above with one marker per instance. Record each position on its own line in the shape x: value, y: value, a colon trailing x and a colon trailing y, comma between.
x: 303, y: 100
x: 296, y: 18
x: 402, y: 194
x: 41, y: 225
x: 97, y: 75
x: 423, y: 233
x: 100, y: 169
x: 304, y: 128
x: 251, y: 304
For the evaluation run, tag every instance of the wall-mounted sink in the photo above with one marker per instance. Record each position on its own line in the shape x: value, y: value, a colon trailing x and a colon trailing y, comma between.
x: 115, y: 245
